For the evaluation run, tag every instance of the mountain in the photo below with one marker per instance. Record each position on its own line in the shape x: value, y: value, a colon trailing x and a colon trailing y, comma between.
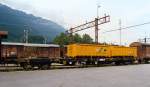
x: 15, y: 22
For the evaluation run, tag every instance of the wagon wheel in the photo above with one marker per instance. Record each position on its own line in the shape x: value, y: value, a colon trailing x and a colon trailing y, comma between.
x: 26, y: 66
x: 44, y: 67
x: 117, y: 63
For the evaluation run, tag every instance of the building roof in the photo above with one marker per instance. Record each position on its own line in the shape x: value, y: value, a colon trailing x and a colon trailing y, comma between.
x: 30, y: 44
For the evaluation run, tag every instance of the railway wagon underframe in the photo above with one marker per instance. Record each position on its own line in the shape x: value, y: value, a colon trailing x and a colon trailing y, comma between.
x: 123, y: 60
x: 100, y: 60
x: 90, y: 60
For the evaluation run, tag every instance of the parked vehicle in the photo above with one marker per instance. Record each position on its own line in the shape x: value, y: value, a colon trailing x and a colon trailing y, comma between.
x: 143, y: 51
x: 99, y: 54
x: 29, y: 55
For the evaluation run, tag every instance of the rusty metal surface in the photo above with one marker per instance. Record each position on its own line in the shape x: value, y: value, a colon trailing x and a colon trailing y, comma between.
x: 20, y: 51
x: 143, y: 49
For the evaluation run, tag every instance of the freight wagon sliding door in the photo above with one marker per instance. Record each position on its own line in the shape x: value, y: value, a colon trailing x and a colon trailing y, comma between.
x: 30, y: 51
x: 9, y: 51
x: 42, y: 52
x: 54, y: 52
x: 147, y: 54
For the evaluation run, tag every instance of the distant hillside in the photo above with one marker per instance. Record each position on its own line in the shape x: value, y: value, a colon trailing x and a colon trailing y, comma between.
x: 15, y: 22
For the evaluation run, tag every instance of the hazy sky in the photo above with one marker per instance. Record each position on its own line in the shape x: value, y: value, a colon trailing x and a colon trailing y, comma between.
x: 69, y: 13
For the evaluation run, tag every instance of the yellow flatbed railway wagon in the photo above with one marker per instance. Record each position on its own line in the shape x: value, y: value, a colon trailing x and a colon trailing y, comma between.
x: 122, y: 54
x: 96, y: 54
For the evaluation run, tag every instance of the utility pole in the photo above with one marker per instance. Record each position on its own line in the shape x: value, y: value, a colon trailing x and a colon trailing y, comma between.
x: 98, y: 6
x: 26, y: 33
x: 45, y: 39
x: 145, y: 40
x: 95, y: 23
x: 71, y: 35
x: 120, y: 31
x: 96, y: 30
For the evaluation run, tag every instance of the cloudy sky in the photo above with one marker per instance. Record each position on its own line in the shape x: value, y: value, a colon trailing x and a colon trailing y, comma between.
x: 70, y: 13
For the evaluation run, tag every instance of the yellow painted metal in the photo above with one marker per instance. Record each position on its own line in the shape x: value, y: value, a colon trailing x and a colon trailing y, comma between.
x: 75, y: 50
x: 123, y: 51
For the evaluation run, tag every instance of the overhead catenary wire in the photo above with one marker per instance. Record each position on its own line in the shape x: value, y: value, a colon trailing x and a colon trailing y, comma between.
x: 123, y: 28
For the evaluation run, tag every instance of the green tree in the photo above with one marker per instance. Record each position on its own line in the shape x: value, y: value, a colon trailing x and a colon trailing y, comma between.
x: 86, y: 39
x: 62, y: 39
x: 77, y: 38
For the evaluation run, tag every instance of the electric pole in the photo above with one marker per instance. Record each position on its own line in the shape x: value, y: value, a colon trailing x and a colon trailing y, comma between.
x: 96, y: 30
x: 98, y: 6
x: 95, y: 23
x: 45, y: 39
x: 120, y: 32
x: 26, y: 34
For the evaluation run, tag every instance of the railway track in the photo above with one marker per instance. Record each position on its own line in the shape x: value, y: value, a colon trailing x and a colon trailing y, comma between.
x: 17, y: 68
